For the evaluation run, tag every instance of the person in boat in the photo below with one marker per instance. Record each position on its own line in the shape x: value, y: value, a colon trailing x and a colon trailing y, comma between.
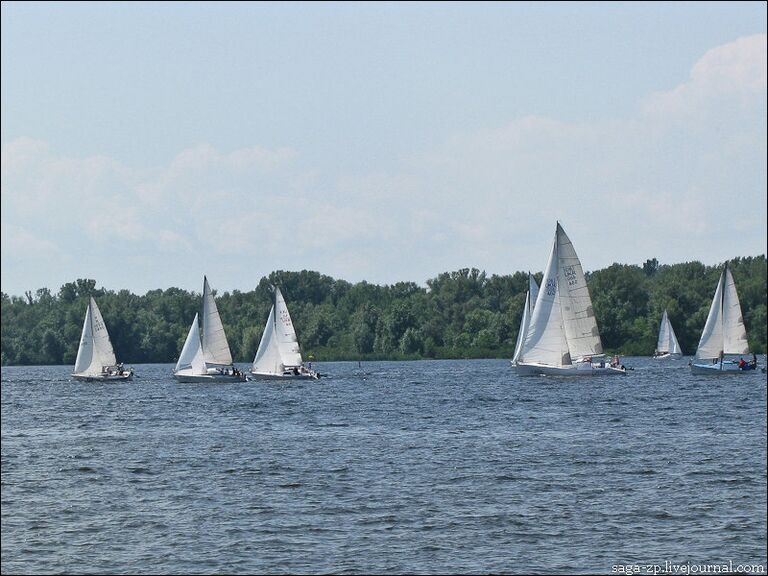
x: 295, y: 371
x: 615, y: 361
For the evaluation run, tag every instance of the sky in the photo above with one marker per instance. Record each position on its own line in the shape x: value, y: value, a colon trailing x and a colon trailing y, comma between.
x: 145, y: 145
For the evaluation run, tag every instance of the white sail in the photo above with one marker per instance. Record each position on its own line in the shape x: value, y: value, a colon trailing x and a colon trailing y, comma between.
x: 191, y: 359
x: 95, y: 351
x: 545, y: 341
x: 214, y: 341
x: 734, y: 332
x: 279, y: 346
x: 267, y: 359
x: 667, y: 342
x: 526, y: 318
x: 530, y: 301
x: 724, y: 331
x: 578, y: 316
x: 285, y: 333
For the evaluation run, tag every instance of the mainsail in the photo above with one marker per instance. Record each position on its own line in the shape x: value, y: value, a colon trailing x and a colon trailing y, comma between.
x: 214, y: 342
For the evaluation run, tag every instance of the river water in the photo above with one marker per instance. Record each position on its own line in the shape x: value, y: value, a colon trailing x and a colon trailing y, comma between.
x: 429, y: 467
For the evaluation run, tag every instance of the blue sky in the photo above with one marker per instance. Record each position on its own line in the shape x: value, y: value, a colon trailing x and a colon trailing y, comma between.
x: 147, y: 144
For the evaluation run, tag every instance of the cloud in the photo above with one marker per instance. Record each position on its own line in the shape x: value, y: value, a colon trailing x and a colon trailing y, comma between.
x: 683, y: 179
x: 734, y: 73
x: 20, y: 244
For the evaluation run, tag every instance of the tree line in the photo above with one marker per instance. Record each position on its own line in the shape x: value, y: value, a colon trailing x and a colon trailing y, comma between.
x: 460, y: 314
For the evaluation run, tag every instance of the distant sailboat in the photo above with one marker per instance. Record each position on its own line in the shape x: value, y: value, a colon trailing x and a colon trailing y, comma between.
x: 530, y: 301
x: 279, y: 356
x: 207, y: 359
x: 724, y: 333
x: 96, y: 360
x: 562, y: 337
x: 667, y: 345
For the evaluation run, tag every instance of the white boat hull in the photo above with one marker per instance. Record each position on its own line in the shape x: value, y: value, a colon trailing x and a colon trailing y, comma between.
x: 668, y: 356
x: 582, y: 369
x: 720, y: 368
x: 262, y: 376
x: 104, y: 377
x: 209, y: 378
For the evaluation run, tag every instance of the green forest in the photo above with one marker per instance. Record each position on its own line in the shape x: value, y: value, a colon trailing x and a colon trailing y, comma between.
x: 461, y: 314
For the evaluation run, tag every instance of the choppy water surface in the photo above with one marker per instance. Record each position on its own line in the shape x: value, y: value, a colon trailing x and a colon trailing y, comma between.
x: 387, y: 467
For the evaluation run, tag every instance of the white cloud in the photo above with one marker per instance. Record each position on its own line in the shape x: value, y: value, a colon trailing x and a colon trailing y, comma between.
x: 20, y: 244
x: 735, y: 72
x: 683, y: 180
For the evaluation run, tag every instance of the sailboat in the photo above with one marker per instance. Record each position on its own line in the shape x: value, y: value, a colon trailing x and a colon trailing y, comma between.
x: 96, y: 360
x: 667, y: 345
x: 562, y: 337
x: 279, y: 356
x: 530, y: 301
x: 724, y: 333
x: 207, y: 358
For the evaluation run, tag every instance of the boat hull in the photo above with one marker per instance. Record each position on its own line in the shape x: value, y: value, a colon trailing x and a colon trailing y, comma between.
x: 208, y: 378
x: 668, y: 356
x: 721, y: 368
x: 583, y: 369
x: 104, y: 377
x: 283, y: 377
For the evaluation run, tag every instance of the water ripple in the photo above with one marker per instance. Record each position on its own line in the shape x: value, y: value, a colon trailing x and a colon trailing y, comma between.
x: 396, y: 467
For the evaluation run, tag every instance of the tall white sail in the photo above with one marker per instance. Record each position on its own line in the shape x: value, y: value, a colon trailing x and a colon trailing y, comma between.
x: 191, y: 358
x: 85, y: 353
x: 524, y: 321
x: 545, y: 341
x: 734, y: 332
x: 724, y: 331
x: 530, y: 301
x: 95, y: 350
x: 578, y: 316
x: 267, y: 359
x: 215, y: 346
x: 667, y: 342
x: 285, y: 332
